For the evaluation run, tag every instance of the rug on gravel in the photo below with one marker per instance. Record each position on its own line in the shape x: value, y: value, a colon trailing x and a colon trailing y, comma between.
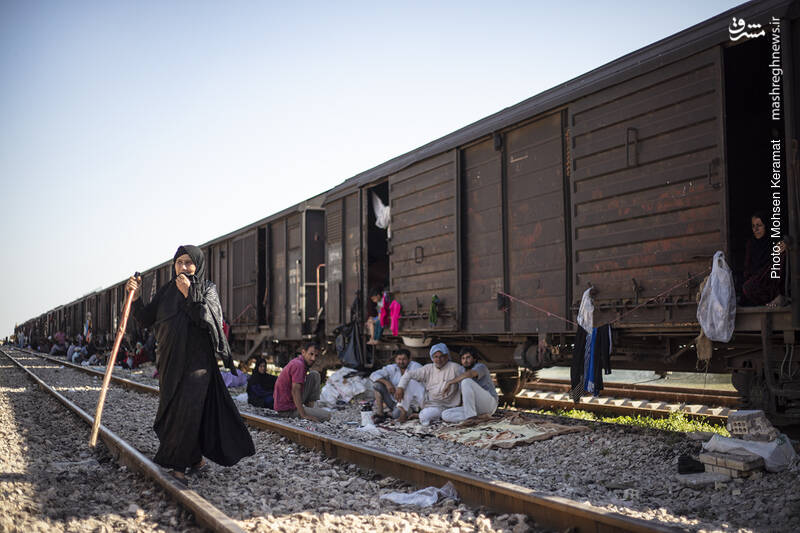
x: 506, y: 432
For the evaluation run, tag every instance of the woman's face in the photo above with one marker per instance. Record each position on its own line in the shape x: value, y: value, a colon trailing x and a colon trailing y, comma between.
x: 758, y: 227
x: 262, y: 368
x: 184, y: 265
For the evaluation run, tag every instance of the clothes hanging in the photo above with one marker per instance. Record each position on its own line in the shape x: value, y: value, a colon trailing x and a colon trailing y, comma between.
x: 433, y: 313
x: 394, y: 311
x: 383, y: 310
x: 591, y: 359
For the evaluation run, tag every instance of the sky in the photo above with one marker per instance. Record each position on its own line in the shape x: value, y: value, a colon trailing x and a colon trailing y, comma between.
x: 128, y: 128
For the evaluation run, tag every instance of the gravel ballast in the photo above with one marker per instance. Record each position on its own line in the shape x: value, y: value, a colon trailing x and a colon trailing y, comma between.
x: 283, y: 487
x: 629, y: 470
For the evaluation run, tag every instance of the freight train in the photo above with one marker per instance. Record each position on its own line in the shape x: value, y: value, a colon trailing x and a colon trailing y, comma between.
x: 625, y: 180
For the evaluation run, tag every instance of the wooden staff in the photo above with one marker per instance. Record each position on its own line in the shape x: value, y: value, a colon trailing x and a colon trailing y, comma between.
x: 110, y: 367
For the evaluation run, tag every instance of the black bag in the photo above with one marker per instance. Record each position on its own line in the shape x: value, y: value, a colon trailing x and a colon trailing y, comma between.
x: 349, y: 339
x: 349, y: 347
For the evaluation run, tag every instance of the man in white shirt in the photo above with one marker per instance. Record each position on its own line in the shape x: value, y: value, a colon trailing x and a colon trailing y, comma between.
x: 386, y: 380
x: 435, y: 378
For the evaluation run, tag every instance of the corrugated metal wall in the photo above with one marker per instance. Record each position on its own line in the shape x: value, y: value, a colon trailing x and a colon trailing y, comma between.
x: 343, y: 233
x: 482, y: 231
x: 514, y: 184
x: 423, y: 244
x: 536, y: 238
x: 245, y: 277
x: 277, y: 267
x: 646, y: 155
x: 334, y: 218
x: 294, y: 255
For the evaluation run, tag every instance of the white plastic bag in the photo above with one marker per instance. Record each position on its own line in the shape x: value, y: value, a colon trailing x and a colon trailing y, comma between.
x: 339, y: 388
x: 716, y: 311
x: 424, y: 497
x: 778, y: 454
x: 586, y: 311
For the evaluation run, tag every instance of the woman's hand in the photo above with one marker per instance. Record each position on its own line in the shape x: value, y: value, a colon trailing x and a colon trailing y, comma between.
x: 183, y: 284
x: 135, y: 285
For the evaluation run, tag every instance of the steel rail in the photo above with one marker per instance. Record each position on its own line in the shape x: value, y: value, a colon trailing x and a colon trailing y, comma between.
x: 204, y: 512
x: 549, y: 511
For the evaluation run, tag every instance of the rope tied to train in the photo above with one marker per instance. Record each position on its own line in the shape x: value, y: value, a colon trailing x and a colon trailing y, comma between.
x: 620, y: 317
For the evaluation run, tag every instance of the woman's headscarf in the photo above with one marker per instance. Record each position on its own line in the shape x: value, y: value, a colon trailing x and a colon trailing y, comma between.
x: 198, y: 258
x: 759, y: 250
x: 265, y: 380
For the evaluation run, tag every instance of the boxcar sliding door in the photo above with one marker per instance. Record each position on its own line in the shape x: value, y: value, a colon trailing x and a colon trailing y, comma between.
x: 648, y: 196
x: 423, y: 258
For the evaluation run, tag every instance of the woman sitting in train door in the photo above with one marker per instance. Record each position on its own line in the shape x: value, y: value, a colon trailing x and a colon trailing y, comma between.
x: 763, y: 285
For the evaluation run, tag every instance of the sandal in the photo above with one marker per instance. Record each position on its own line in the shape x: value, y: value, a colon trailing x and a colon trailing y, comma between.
x: 182, y: 481
x: 199, y: 468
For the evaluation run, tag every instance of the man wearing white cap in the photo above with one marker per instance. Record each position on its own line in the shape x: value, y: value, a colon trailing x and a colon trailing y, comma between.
x: 435, y: 378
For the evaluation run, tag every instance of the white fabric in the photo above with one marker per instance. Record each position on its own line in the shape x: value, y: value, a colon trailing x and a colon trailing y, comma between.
x: 476, y: 401
x: 430, y: 414
x: 435, y: 382
x: 383, y: 215
x: 586, y: 311
x: 423, y: 497
x: 392, y: 373
x: 413, y: 397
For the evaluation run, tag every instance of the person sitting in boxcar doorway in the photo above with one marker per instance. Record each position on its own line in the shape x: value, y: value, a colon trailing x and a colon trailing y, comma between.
x: 385, y: 382
x: 196, y: 416
x: 478, y: 395
x: 759, y: 286
x: 373, y: 324
x: 261, y: 386
x: 434, y: 377
x: 298, y: 387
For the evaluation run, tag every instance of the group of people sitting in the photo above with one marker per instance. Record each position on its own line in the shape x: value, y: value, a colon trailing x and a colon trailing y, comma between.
x: 441, y: 389
x: 80, y: 352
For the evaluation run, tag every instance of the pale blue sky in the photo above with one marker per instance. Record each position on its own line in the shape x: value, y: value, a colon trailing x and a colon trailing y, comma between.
x: 128, y: 128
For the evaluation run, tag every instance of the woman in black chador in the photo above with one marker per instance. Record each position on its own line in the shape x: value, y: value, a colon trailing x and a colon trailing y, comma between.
x: 196, y: 416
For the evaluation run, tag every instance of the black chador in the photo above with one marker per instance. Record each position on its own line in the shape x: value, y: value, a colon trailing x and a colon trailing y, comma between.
x: 196, y: 416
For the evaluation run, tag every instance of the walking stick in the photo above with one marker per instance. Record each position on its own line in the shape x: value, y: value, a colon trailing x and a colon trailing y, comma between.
x: 110, y: 366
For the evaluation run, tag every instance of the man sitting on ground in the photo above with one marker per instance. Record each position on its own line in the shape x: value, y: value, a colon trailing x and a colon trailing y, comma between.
x: 434, y: 377
x: 386, y: 379
x: 59, y: 345
x: 478, y: 395
x: 297, y: 389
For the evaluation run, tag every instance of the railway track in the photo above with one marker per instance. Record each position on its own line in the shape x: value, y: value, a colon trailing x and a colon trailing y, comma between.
x: 551, y: 512
x: 206, y: 514
x: 631, y: 400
